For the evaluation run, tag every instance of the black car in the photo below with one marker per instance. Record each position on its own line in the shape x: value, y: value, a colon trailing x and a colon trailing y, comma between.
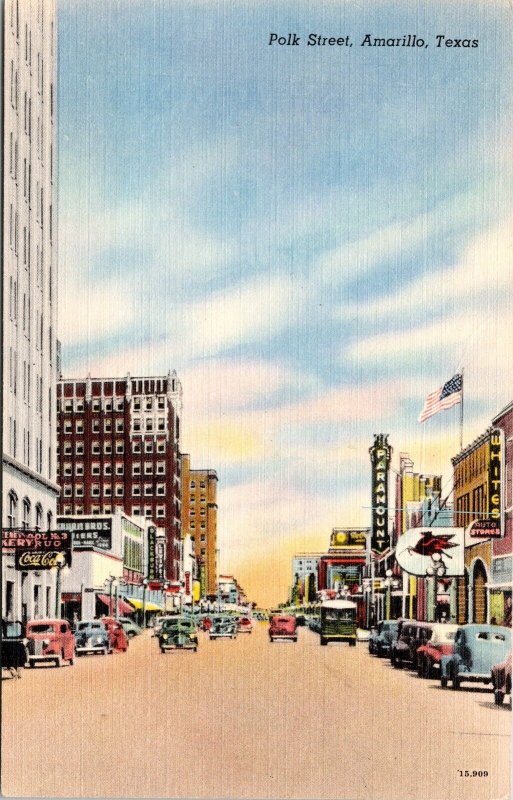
x: 13, y: 653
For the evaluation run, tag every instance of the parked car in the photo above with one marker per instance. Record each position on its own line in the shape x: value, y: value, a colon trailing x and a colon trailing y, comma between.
x: 92, y: 636
x: 410, y: 636
x: 476, y: 649
x: 283, y: 626
x: 178, y: 633
x: 117, y: 635
x: 223, y: 626
x: 160, y: 621
x: 50, y: 640
x: 501, y: 680
x: 381, y: 637
x: 13, y: 647
x: 245, y: 625
x: 440, y: 644
x: 130, y: 627
x: 206, y: 623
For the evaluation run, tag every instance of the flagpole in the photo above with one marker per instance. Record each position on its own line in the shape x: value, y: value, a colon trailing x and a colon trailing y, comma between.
x: 461, y: 411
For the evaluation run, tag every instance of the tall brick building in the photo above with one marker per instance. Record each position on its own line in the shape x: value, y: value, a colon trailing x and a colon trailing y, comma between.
x: 199, y: 520
x: 119, y: 448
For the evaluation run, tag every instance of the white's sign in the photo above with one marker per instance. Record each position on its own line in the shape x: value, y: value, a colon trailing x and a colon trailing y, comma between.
x: 432, y: 551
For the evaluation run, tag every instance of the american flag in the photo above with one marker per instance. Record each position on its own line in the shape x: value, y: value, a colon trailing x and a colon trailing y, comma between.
x: 445, y: 397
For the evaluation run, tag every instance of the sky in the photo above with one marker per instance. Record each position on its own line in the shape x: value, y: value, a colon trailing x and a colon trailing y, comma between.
x: 314, y: 237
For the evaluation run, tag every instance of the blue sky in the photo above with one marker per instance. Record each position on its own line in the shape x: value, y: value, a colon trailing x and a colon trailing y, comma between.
x: 314, y: 237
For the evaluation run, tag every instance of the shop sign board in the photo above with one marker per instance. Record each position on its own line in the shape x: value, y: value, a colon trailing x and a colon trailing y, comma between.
x: 432, y: 551
x: 88, y: 532
x: 380, y: 454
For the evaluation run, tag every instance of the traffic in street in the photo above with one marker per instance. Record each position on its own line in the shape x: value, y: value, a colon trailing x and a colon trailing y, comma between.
x: 248, y: 717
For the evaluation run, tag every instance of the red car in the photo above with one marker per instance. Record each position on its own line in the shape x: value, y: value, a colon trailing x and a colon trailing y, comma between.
x: 283, y: 626
x: 440, y: 643
x: 117, y: 635
x: 206, y: 623
x: 245, y: 625
x: 501, y: 680
x: 50, y: 640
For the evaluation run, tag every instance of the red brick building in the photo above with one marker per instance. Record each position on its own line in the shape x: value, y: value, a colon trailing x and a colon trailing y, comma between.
x: 502, y: 565
x: 119, y: 448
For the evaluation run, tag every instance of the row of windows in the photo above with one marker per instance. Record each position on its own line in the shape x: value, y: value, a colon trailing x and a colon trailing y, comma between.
x: 150, y: 424
x: 107, y: 508
x: 119, y: 490
x: 193, y: 485
x: 107, y: 426
x: 138, y: 404
x: 28, y: 519
x: 149, y: 447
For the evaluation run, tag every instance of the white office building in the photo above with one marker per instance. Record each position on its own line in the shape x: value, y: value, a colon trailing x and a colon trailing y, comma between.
x: 30, y: 294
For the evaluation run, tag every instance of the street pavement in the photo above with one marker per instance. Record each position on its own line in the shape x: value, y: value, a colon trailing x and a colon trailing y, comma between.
x: 249, y: 719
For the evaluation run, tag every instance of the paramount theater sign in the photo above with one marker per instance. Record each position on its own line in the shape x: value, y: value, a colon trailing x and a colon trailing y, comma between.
x: 380, y: 454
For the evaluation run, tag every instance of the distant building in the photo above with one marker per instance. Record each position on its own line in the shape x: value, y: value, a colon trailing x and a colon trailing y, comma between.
x: 304, y: 575
x: 411, y: 488
x: 199, y: 521
x: 29, y: 256
x: 119, y: 450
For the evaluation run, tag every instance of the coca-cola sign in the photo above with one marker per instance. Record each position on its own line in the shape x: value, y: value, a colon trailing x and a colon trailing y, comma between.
x: 41, y: 559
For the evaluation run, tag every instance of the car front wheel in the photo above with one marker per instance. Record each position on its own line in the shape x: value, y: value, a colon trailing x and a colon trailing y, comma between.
x: 499, y: 697
x: 455, y: 682
x: 443, y: 682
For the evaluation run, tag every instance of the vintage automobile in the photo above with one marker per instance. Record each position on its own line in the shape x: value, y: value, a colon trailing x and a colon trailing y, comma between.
x: 13, y: 655
x: 50, y: 640
x: 441, y: 643
x: 501, y: 680
x: 206, y: 623
x: 92, y: 636
x: 160, y: 622
x: 245, y: 625
x: 178, y: 633
x: 338, y: 622
x: 476, y: 649
x: 117, y: 636
x: 283, y: 626
x: 381, y: 637
x: 410, y: 636
x: 223, y: 626
x: 130, y: 627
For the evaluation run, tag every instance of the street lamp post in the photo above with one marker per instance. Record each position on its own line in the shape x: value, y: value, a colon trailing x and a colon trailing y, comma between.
x: 60, y: 562
x: 389, y: 574
x: 145, y: 587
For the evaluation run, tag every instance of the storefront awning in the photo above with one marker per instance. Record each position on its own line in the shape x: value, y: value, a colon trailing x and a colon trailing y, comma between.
x: 149, y: 606
x: 123, y: 608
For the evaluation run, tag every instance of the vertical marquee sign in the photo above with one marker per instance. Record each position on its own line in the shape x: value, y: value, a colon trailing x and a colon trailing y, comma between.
x: 151, y: 573
x: 380, y: 454
x: 495, y: 504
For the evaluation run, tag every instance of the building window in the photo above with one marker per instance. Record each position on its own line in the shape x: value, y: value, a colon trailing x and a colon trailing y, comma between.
x: 120, y: 448
x: 119, y: 405
x: 95, y: 509
x: 107, y: 448
x: 149, y: 424
x: 202, y: 485
x: 119, y: 490
x: 79, y: 509
x: 136, y: 468
x: 79, y: 449
x: 67, y: 490
x: 79, y: 469
x: 161, y: 512
x: 67, y: 510
x: 161, y: 468
x: 161, y: 424
x: 107, y: 509
x: 79, y: 490
x: 193, y: 525
x: 120, y: 469
x: 148, y: 468
x: 13, y: 508
x: 95, y: 490
x: 107, y: 469
x: 148, y: 490
x: 136, y: 447
x: 68, y: 406
x: 67, y: 450
x: 161, y: 446
x: 67, y: 470
x: 68, y: 427
x: 95, y: 448
x: 136, y: 404
x: 202, y: 512
x: 193, y: 484
x: 203, y: 537
x: 148, y: 403
x: 137, y: 424
x: 108, y: 405
x: 136, y: 490
x: 79, y: 426
x: 203, y: 525
x: 148, y: 446
x: 96, y: 405
x: 96, y: 426
x: 120, y: 426
x: 95, y: 469
x: 148, y: 512
x: 39, y: 517
x: 107, y: 425
x: 107, y: 490
x: 161, y: 403
x: 136, y: 511
x: 161, y: 489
